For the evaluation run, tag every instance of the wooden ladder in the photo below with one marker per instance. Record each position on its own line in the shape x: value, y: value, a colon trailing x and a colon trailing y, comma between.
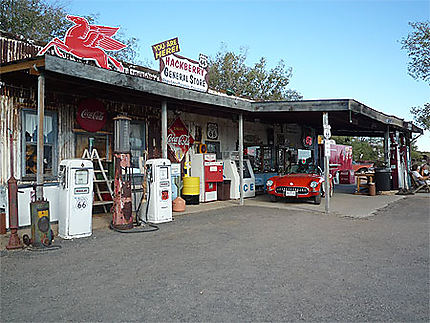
x: 101, y: 186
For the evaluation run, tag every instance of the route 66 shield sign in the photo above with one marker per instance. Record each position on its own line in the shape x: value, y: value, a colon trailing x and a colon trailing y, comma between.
x: 212, y: 132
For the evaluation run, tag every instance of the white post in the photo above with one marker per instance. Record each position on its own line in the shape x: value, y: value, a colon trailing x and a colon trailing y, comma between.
x: 327, y: 135
x: 241, y: 157
x: 40, y: 138
x: 164, y: 129
x: 387, y: 147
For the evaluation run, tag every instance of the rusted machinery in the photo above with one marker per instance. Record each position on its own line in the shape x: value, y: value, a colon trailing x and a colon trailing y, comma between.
x: 14, y: 240
x: 122, y: 217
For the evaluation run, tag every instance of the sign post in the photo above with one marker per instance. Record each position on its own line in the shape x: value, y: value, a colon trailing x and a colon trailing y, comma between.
x: 327, y: 135
x: 241, y: 158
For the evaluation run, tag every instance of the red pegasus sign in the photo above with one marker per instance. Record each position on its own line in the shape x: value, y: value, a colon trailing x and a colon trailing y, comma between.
x: 88, y: 42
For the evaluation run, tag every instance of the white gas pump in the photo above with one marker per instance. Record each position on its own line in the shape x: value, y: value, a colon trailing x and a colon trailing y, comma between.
x: 76, y: 196
x: 159, y: 200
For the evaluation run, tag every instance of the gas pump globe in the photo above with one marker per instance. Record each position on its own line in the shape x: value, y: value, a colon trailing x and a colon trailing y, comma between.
x: 122, y: 217
x: 122, y: 134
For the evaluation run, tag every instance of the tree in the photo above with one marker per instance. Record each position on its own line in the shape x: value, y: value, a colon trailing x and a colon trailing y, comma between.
x: 422, y: 115
x: 228, y: 72
x: 39, y: 20
x: 417, y: 45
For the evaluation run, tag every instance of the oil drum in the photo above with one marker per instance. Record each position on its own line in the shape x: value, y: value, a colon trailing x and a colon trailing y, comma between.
x: 191, y: 190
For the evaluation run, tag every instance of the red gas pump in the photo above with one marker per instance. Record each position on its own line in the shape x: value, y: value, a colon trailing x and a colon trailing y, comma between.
x: 394, y: 161
x: 122, y: 217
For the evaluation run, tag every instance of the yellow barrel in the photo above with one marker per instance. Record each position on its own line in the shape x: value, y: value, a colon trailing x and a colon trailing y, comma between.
x: 191, y: 186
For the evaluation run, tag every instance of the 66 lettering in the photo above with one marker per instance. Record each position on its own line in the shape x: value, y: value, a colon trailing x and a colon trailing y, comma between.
x: 81, y: 203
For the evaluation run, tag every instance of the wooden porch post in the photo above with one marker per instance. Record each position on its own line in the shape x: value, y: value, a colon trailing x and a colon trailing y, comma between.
x: 164, y: 129
x: 241, y: 157
x: 40, y: 137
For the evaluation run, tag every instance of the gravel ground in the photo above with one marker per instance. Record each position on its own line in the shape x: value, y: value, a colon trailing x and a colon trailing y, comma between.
x: 234, y: 264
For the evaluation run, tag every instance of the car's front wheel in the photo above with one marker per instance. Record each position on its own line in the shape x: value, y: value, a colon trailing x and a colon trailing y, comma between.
x: 317, y: 199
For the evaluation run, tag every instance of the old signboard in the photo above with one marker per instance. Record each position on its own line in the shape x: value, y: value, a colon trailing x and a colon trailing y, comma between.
x: 179, y: 140
x: 166, y: 48
x: 184, y: 72
x: 91, y: 115
x: 88, y: 42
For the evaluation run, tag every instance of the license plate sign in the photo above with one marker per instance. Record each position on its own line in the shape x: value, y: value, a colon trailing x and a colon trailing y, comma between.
x: 290, y: 193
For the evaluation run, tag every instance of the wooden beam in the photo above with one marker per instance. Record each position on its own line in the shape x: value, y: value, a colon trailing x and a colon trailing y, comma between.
x: 20, y: 66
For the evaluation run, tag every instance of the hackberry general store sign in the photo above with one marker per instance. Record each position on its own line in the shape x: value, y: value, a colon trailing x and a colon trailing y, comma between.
x: 184, y: 72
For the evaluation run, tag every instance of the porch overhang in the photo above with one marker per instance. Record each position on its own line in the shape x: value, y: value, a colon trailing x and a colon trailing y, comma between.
x: 347, y: 117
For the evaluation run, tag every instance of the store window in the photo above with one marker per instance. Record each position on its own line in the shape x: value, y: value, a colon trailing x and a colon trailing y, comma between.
x: 100, y: 142
x: 50, y: 150
x: 137, y: 142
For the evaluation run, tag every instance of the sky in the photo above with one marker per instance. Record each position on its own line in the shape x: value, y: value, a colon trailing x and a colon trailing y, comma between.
x: 337, y: 49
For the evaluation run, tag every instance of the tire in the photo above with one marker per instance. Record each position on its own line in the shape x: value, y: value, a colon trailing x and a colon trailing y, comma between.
x: 273, y: 198
x: 317, y: 199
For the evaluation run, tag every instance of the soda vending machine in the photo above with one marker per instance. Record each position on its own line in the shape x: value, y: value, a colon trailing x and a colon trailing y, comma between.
x: 159, y: 200
x: 210, y: 172
x: 76, y: 195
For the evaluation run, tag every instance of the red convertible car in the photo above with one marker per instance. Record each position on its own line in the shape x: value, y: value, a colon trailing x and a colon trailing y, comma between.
x: 301, y: 181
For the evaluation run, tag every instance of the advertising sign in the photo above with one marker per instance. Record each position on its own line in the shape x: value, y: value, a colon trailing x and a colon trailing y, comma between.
x: 177, y: 70
x: 87, y: 42
x: 179, y: 140
x: 166, y: 48
x: 91, y: 115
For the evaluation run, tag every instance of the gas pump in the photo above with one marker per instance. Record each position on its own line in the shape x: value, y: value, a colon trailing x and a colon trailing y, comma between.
x: 122, y: 217
x: 159, y: 201
x: 76, y: 193
x: 404, y: 157
x: 394, y: 160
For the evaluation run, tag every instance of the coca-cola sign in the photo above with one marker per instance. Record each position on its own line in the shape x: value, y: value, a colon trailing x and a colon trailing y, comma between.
x: 91, y: 115
x: 179, y: 139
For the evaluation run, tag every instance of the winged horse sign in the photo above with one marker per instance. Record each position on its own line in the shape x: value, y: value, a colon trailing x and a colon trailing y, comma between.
x: 88, y: 42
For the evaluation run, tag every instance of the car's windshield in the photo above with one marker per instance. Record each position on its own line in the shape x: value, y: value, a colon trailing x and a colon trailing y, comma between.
x: 302, y: 169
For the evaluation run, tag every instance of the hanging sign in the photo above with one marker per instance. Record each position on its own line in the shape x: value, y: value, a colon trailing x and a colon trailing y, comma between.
x: 307, y: 141
x: 91, y: 115
x: 87, y: 42
x: 327, y: 132
x: 212, y: 132
x: 327, y: 147
x: 165, y: 48
x: 179, y: 140
x: 184, y: 72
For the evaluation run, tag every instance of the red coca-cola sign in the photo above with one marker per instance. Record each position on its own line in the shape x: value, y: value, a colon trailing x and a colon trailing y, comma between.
x: 91, y: 115
x: 179, y: 139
